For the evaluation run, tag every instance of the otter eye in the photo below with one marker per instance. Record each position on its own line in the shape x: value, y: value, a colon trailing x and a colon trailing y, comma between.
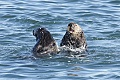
x: 53, y: 44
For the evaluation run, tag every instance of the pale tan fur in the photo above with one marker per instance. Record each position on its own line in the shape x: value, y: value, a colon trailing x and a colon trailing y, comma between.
x: 77, y: 29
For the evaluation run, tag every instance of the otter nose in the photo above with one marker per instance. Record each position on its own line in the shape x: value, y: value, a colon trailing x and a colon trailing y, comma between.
x: 70, y: 28
x: 71, y: 24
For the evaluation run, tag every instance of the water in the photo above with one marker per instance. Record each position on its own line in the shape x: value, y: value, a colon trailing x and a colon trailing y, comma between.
x: 100, y: 20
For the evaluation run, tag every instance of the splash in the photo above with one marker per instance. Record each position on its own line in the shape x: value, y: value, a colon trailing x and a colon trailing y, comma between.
x: 71, y: 52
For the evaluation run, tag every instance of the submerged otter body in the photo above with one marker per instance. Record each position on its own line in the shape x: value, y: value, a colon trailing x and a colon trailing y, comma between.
x: 45, y: 45
x: 74, y: 37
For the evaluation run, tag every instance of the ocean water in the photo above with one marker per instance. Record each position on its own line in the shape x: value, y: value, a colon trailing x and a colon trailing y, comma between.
x: 100, y: 20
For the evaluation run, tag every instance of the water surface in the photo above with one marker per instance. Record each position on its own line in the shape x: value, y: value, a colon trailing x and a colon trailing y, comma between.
x: 100, y: 20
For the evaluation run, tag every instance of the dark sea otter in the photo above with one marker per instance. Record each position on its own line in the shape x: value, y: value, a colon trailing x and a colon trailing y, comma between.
x: 74, y: 37
x: 46, y: 45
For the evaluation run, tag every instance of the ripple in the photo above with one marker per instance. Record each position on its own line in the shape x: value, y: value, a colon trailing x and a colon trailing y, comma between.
x: 8, y: 16
x: 12, y: 75
x: 25, y: 20
x: 114, y: 2
x: 98, y: 19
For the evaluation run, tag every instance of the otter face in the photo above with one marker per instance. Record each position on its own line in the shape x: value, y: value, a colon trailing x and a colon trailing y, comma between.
x: 39, y: 33
x: 74, y: 28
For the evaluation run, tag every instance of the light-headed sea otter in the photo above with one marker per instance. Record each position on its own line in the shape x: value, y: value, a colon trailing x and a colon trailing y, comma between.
x: 74, y: 37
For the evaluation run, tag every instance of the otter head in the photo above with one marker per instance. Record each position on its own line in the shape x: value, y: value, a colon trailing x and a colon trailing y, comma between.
x: 39, y: 33
x: 43, y: 36
x: 73, y: 28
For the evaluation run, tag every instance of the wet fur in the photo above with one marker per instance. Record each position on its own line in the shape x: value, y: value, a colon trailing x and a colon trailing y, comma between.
x: 74, y: 41
x: 45, y: 45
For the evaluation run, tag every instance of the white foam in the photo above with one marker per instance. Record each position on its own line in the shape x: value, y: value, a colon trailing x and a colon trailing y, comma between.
x: 78, y: 50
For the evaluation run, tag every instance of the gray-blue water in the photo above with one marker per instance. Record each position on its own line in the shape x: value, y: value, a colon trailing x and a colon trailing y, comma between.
x: 100, y: 20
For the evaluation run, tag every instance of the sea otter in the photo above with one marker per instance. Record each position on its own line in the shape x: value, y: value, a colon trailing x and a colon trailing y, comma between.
x: 46, y: 45
x: 74, y: 37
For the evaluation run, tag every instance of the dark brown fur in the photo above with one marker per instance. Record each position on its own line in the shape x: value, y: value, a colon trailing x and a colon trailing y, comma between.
x: 45, y: 45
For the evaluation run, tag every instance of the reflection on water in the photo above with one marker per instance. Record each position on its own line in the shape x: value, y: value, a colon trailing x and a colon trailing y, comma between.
x: 98, y: 18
